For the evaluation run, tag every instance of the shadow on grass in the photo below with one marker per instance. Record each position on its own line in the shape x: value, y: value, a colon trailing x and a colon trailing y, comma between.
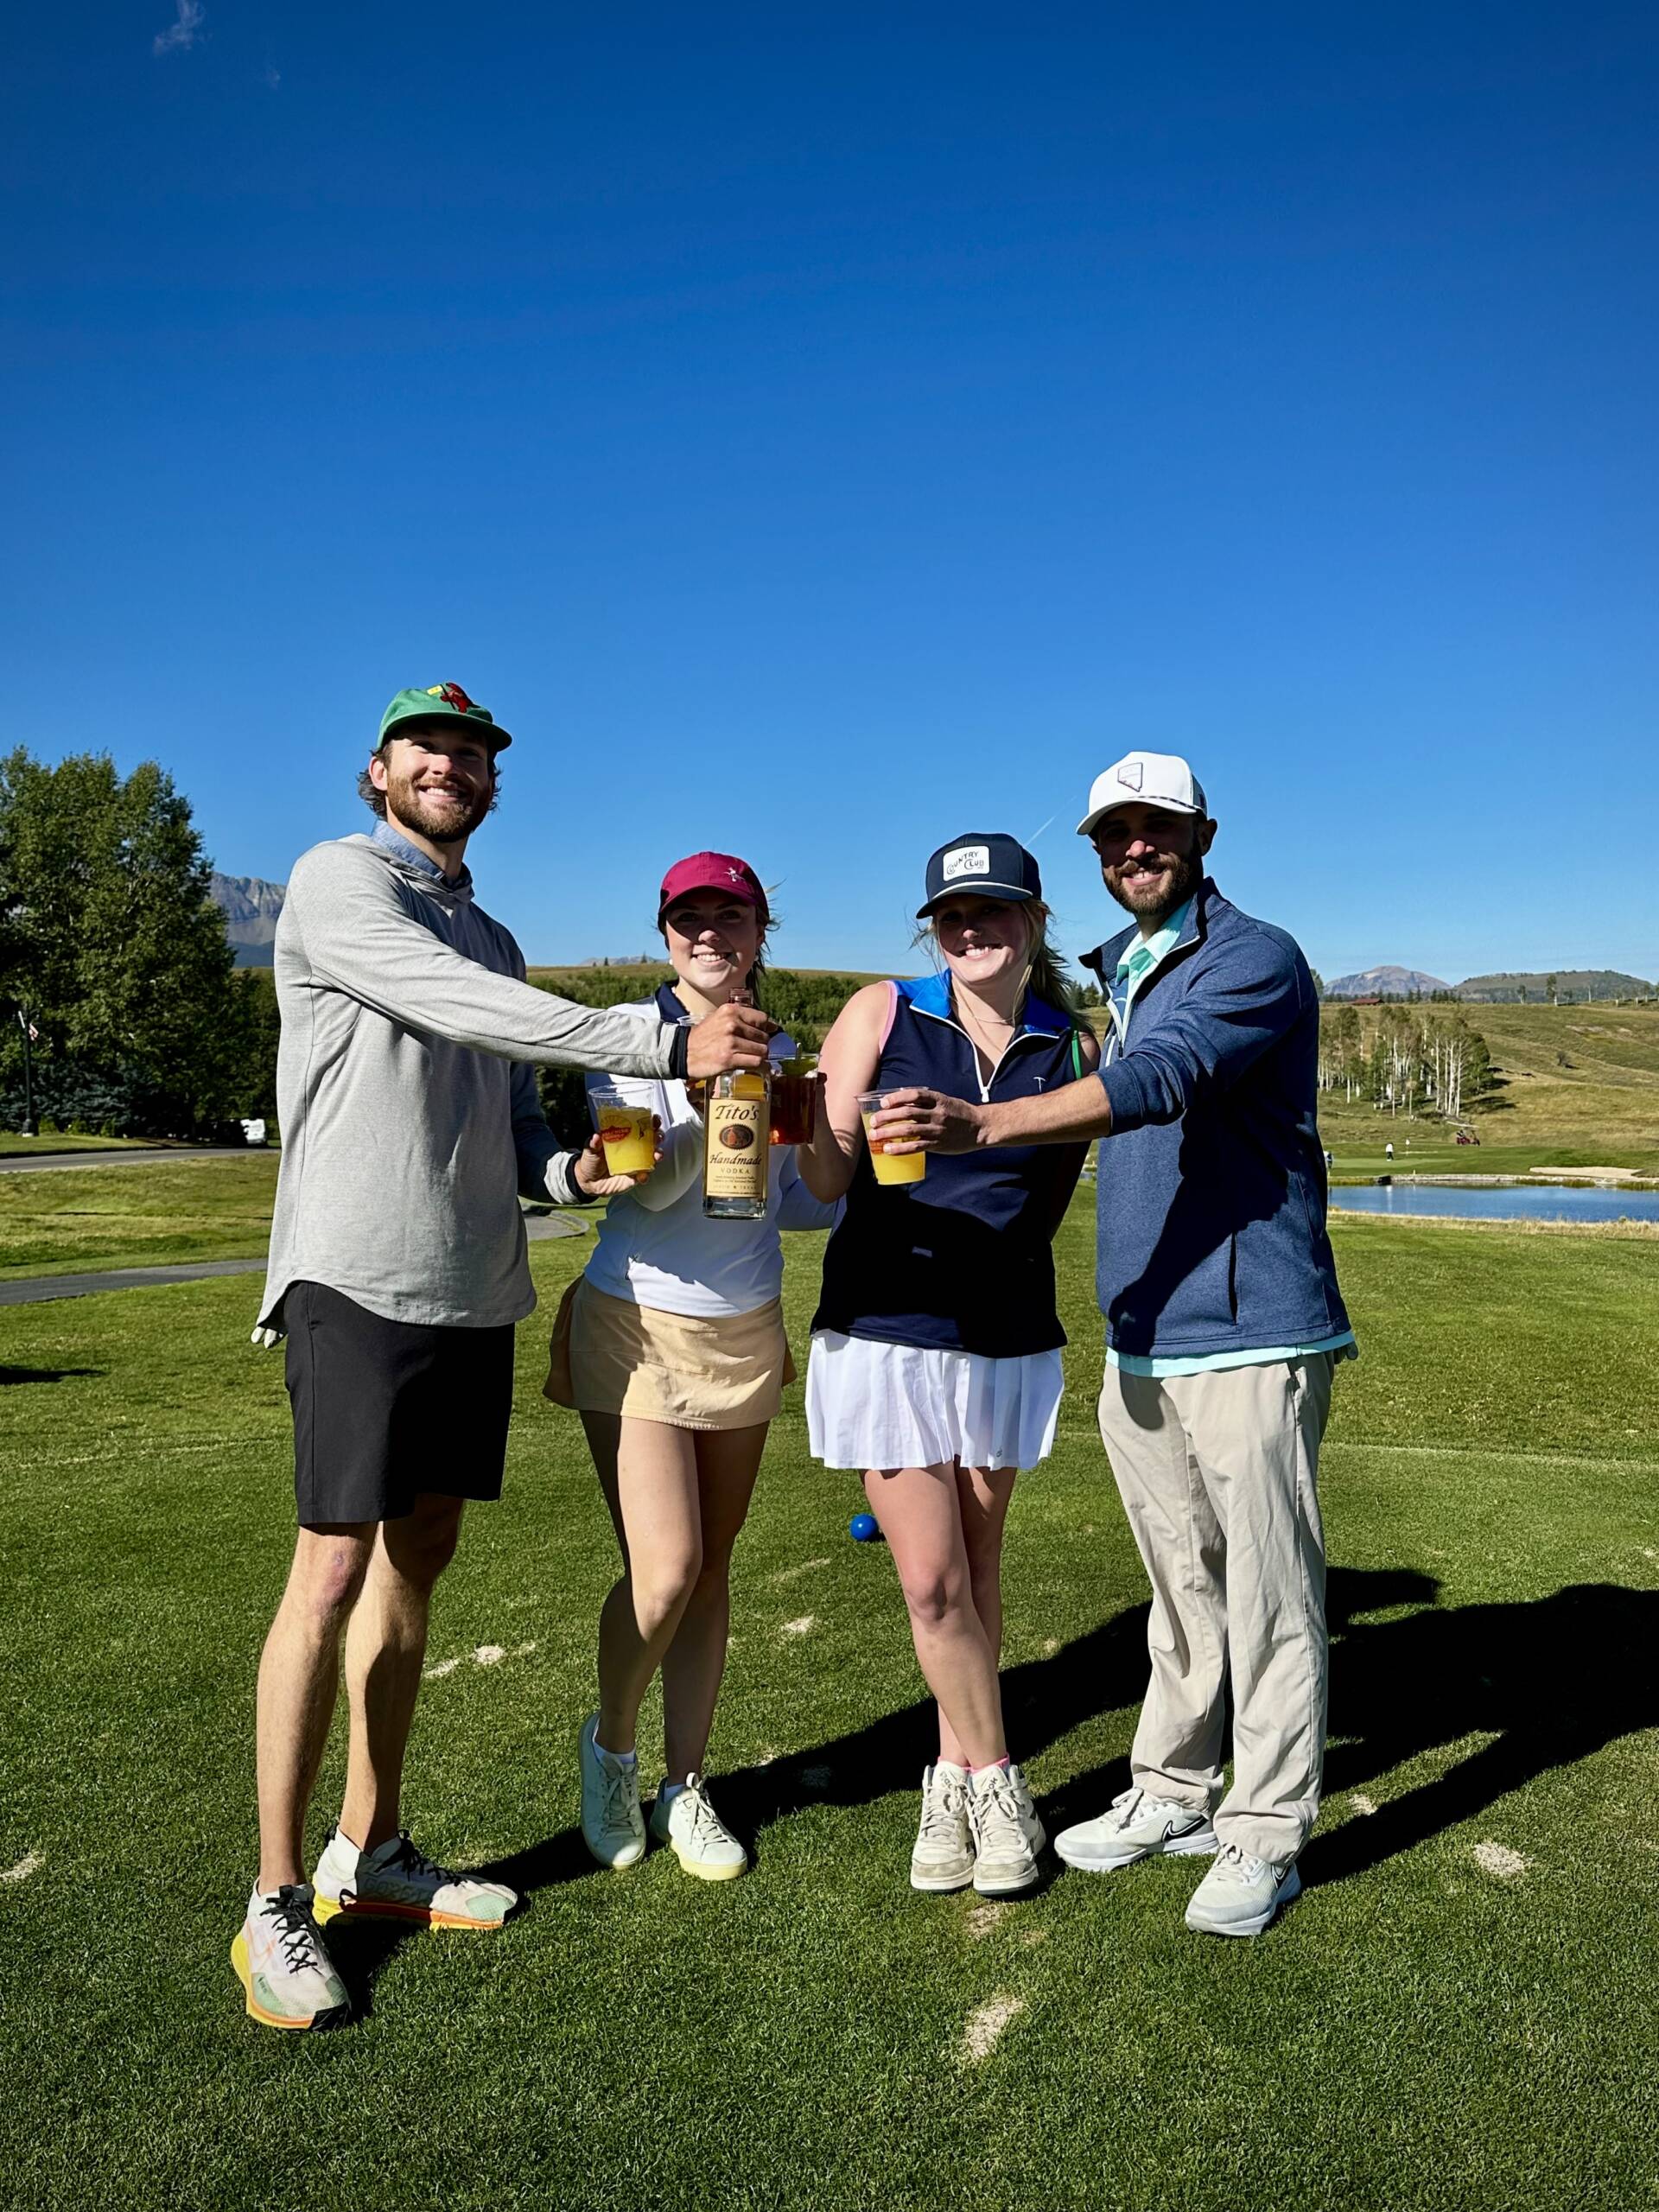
x: 1043, y: 1700
x: 1551, y: 1679
x: 44, y: 1374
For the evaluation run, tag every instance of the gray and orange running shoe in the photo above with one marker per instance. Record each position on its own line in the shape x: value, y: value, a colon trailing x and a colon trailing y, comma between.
x: 397, y: 1882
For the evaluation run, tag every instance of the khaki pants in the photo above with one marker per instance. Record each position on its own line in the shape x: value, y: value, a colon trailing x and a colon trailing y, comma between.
x: 1218, y: 1476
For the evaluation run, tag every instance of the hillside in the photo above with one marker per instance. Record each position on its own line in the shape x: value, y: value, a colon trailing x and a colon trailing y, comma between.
x: 1385, y: 983
x: 1579, y: 985
x: 1578, y: 1083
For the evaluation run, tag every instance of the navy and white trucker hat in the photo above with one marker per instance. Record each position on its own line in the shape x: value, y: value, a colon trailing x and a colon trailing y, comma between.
x: 981, y: 866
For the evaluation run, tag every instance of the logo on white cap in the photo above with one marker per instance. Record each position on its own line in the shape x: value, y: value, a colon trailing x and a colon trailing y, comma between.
x: 966, y: 860
x: 1157, y: 778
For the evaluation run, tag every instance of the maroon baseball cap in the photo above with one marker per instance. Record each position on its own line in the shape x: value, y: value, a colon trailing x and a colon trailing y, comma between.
x: 712, y: 872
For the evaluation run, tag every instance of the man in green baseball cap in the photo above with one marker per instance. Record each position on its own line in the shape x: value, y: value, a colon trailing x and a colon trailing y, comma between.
x: 435, y: 754
x: 411, y: 1127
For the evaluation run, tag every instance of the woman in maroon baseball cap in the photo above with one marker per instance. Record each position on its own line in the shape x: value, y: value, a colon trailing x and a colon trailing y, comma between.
x: 671, y: 1347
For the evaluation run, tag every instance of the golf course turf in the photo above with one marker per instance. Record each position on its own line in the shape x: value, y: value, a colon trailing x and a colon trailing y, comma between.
x: 1459, y: 2011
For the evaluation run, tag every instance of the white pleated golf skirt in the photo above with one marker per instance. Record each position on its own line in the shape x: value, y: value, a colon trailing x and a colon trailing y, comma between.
x: 876, y: 1405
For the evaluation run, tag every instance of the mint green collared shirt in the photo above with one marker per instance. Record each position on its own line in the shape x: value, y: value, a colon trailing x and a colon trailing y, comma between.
x: 1135, y: 965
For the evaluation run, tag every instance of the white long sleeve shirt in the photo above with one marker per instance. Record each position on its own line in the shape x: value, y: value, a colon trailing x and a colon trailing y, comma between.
x: 656, y: 1245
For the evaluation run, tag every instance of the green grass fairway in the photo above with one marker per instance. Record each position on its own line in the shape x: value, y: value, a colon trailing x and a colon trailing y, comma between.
x: 73, y: 1222
x: 1460, y: 2012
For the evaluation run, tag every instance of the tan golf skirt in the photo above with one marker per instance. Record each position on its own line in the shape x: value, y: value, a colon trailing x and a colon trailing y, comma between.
x: 724, y: 1370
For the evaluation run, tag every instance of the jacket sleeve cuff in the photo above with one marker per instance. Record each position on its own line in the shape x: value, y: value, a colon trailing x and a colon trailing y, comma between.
x: 679, y: 1051
x: 1125, y: 1093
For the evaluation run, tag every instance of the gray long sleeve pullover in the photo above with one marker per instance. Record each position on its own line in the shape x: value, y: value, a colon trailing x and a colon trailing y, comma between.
x: 406, y: 1089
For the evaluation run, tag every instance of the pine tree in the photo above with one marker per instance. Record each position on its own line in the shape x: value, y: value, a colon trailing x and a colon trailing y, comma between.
x: 111, y: 943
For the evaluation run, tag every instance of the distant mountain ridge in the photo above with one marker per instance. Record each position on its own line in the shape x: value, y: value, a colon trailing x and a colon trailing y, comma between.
x: 1567, y: 985
x: 250, y: 907
x: 1571, y: 984
x: 1384, y: 984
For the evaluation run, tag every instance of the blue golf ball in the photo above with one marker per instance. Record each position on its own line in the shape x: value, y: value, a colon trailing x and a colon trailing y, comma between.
x: 863, y: 1528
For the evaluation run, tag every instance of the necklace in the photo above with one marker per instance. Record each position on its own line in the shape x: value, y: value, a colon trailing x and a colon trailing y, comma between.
x: 982, y: 1028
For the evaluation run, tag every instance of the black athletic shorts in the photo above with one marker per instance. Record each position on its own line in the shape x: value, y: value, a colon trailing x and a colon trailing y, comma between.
x: 384, y: 1410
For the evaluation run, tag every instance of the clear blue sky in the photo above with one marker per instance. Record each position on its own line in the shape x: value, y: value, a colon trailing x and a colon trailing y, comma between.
x: 817, y: 432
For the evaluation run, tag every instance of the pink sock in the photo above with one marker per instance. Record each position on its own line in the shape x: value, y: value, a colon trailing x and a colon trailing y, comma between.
x: 1004, y: 1762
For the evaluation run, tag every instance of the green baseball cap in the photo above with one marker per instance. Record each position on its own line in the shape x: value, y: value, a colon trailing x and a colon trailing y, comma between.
x: 441, y: 703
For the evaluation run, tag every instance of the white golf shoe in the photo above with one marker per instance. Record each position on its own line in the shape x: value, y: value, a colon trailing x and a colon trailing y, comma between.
x: 697, y: 1835
x: 1137, y: 1826
x: 1239, y: 1895
x: 396, y: 1882
x: 1007, y: 1835
x: 944, y: 1856
x: 613, y: 1826
x: 284, y: 1966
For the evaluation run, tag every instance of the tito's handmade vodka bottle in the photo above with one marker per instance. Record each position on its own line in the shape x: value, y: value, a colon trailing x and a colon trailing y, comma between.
x: 736, y: 1131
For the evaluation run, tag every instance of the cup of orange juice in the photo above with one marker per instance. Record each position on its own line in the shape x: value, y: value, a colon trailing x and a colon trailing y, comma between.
x: 889, y: 1166
x: 626, y: 1134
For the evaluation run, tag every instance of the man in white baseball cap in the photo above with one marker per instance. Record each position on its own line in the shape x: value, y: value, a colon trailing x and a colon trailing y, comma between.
x: 1161, y: 780
x: 1224, y: 1327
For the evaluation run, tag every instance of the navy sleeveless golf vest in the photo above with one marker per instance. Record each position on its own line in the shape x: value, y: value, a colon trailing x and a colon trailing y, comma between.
x: 962, y: 1260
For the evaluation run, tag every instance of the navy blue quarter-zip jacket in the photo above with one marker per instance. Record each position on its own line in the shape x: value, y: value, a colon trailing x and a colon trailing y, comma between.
x: 1211, y: 1184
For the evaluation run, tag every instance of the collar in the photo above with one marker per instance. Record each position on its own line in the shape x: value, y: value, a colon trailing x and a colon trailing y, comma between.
x: 1143, y: 952
x: 1189, y: 923
x: 668, y: 1006
x: 932, y: 994
x: 392, y: 841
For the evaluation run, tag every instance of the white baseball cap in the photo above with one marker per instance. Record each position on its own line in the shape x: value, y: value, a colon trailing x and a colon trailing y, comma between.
x: 1144, y: 779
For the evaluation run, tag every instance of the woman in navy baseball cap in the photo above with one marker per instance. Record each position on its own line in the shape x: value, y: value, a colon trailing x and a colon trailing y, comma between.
x: 936, y: 1347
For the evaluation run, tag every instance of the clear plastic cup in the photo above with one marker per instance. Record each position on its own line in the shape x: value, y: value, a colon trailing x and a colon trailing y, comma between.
x: 626, y: 1134
x: 888, y: 1167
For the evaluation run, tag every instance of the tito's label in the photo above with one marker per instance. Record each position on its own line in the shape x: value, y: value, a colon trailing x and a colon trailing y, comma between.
x: 735, y: 1155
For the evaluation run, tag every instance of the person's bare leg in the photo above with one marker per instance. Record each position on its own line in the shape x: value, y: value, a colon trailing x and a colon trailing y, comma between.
x: 648, y: 1471
x: 728, y: 1463
x: 921, y: 1518
x: 385, y: 1644
x: 299, y: 1675
x: 982, y: 1494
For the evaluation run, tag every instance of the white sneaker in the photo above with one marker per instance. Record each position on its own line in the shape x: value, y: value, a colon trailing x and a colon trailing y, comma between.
x: 613, y: 1826
x: 1007, y: 1835
x: 396, y: 1882
x: 699, y: 1839
x: 1239, y: 1895
x: 944, y: 1856
x: 1137, y: 1827
x: 282, y: 1965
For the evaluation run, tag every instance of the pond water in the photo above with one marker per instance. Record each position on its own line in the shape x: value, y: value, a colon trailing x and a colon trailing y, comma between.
x: 1505, y: 1202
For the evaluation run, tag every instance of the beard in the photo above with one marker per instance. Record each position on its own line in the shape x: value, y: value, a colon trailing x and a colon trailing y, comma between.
x: 1148, y: 904
x: 444, y: 823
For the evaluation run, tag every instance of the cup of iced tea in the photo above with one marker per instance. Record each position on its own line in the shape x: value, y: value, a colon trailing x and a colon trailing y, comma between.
x: 794, y: 1099
x: 626, y: 1134
x: 889, y: 1168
